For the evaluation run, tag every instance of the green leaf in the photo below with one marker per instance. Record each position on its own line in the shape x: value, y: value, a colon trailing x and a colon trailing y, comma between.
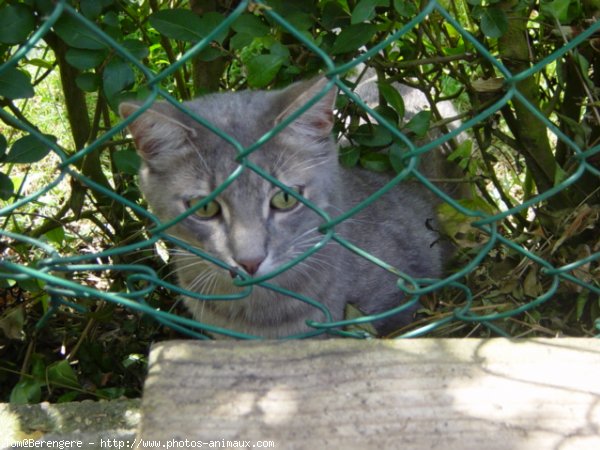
x: 91, y: 8
x: 111, y: 392
x: 262, y: 69
x: 493, y: 22
x: 83, y: 59
x: 353, y: 37
x: 334, y: 15
x: 372, y: 135
x: 111, y: 20
x: 138, y: 49
x: 16, y: 23
x: 377, y: 162
x: 32, y: 285
x: 563, y: 10
x: 349, y: 156
x: 88, y: 82
x: 77, y: 35
x: 28, y: 149
x: 462, y: 154
x: 7, y: 188
x: 117, y: 76
x: 405, y: 8
x: 387, y: 114
x: 15, y: 84
x: 69, y: 396
x: 3, y: 146
x: 240, y: 41
x: 38, y: 62
x: 419, y: 124
x: 62, y: 373
x: 45, y: 7
x: 26, y: 391
x: 396, y: 152
x: 209, y: 54
x: 392, y: 97
x: 134, y: 359
x: 185, y: 25
x: 251, y: 25
x: 38, y: 366
x: 212, y: 20
x: 581, y: 302
x: 56, y: 235
x: 559, y: 175
x: 127, y: 161
x: 450, y: 86
x: 12, y: 322
x: 181, y: 24
x: 365, y: 10
x: 280, y: 50
x: 299, y: 20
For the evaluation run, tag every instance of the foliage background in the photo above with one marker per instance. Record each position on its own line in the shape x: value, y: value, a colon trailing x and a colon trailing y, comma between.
x: 68, y: 84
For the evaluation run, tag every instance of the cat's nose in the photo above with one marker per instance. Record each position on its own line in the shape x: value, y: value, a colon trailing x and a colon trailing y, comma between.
x: 250, y: 265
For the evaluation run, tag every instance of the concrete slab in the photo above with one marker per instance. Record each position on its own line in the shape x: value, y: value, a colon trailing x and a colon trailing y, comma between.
x: 417, y: 394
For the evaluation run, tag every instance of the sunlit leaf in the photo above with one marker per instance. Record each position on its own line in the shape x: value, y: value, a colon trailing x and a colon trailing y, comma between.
x: 28, y: 149
x: 263, y: 68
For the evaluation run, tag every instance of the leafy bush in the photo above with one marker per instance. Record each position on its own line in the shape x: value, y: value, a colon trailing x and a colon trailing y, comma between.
x: 61, y: 159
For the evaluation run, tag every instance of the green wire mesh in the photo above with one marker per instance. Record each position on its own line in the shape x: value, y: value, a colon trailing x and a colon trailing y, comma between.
x: 143, y: 280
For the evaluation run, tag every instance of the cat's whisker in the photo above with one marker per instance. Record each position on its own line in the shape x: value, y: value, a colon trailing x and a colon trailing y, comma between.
x: 310, y: 164
x: 290, y: 156
x: 300, y: 237
x: 304, y: 165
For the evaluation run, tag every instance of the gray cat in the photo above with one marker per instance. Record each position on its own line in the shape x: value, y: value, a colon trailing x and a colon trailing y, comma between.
x: 254, y: 227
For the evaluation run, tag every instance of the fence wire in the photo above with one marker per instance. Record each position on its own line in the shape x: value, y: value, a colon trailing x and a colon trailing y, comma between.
x: 53, y: 270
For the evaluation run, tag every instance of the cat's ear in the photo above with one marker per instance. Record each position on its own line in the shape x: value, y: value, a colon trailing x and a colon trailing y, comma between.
x: 156, y: 129
x: 317, y: 121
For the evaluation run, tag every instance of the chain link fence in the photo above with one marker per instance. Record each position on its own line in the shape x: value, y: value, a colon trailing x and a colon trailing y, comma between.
x: 59, y: 273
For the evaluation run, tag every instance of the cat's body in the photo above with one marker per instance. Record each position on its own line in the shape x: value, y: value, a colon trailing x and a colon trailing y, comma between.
x: 255, y: 227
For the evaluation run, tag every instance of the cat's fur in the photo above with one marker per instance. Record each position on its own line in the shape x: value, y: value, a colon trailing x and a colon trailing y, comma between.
x: 183, y: 160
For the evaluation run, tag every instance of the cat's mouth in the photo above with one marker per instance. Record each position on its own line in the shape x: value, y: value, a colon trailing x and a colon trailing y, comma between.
x: 250, y: 267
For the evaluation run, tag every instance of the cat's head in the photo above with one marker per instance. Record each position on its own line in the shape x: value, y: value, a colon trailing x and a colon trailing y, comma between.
x: 252, y: 224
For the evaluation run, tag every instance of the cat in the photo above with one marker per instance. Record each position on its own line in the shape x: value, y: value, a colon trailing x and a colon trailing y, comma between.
x: 254, y: 227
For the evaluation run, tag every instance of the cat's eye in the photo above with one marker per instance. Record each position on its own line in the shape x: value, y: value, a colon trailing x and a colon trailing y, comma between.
x: 208, y: 211
x: 282, y: 201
